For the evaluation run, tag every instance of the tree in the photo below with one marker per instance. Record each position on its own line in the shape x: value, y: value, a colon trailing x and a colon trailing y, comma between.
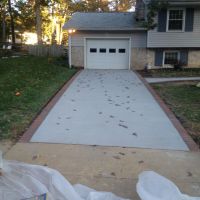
x: 37, y: 5
x: 53, y: 17
x: 47, y: 17
x: 153, y: 8
x: 38, y: 20
x: 24, y: 16
x: 50, y: 17
x: 12, y: 25
x: 90, y: 6
x: 59, y: 14
x: 3, y: 20
x: 122, y: 5
x: 97, y: 5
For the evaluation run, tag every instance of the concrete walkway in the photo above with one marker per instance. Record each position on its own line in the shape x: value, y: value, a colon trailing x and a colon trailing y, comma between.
x: 112, y: 169
x: 109, y: 108
x: 160, y: 80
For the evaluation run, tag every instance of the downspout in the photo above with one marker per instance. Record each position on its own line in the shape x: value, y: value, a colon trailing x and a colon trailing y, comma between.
x: 69, y: 52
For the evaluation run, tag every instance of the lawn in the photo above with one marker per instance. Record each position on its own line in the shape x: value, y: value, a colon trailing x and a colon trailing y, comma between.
x: 26, y: 84
x: 186, y: 72
x: 184, y: 100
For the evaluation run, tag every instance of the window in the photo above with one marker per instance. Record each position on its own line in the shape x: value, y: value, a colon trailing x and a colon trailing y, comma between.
x: 122, y: 50
x: 93, y: 50
x: 102, y: 50
x: 171, y: 57
x: 175, y: 20
x: 112, y: 50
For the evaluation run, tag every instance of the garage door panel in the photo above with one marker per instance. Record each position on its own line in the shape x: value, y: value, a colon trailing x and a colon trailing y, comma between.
x: 107, y: 53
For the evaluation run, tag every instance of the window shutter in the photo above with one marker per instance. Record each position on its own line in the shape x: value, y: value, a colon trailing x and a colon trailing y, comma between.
x: 162, y: 20
x: 184, y: 56
x: 159, y: 57
x: 189, y: 19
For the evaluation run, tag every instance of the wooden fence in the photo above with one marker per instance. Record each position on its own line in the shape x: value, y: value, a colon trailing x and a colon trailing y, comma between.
x: 47, y: 50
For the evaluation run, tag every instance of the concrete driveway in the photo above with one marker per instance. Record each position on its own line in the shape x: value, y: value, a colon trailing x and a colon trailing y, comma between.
x: 109, y: 108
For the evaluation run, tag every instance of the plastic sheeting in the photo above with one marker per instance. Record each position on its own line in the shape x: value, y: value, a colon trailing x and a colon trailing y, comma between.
x: 152, y: 186
x: 21, y: 181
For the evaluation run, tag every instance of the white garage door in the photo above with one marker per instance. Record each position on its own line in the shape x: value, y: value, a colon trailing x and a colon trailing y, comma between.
x: 107, y: 53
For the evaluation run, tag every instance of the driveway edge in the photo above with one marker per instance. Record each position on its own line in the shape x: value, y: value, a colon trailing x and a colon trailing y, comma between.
x: 41, y: 115
x: 181, y: 130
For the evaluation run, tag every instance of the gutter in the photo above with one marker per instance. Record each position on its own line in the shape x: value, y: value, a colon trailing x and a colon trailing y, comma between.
x: 178, y: 3
x: 104, y: 29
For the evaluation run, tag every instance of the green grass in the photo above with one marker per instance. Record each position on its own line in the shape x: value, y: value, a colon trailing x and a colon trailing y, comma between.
x: 36, y: 79
x: 184, y: 101
x: 186, y: 72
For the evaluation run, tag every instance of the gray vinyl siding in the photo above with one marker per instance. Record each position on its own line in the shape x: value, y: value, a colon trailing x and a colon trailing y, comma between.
x: 138, y: 39
x: 176, y: 39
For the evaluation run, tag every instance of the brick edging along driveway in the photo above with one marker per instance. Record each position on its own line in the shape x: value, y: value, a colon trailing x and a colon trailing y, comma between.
x: 181, y: 130
x: 45, y: 110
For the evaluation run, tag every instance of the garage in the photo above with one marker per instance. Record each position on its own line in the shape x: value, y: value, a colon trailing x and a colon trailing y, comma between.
x: 107, y: 53
x: 104, y: 40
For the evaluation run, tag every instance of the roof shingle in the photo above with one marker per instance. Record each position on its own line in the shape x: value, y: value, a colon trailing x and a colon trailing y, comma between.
x: 103, y: 21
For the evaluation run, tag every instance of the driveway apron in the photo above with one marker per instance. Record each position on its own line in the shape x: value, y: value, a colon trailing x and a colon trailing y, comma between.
x: 109, y: 108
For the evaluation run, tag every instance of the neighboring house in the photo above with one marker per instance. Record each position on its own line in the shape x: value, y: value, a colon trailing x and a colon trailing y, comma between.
x: 118, y: 41
x: 24, y: 38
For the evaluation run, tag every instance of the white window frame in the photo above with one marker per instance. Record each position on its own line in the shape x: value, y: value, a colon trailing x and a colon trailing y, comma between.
x: 170, y: 51
x: 184, y: 15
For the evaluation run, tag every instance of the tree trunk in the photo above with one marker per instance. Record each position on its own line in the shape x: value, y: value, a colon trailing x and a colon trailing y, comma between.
x: 38, y: 21
x: 3, y: 27
x: 3, y: 24
x: 53, y: 24
x: 12, y: 26
x: 117, y: 5
x: 60, y: 33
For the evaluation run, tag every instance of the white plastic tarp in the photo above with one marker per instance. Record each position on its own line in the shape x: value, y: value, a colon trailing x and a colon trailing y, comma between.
x: 152, y: 186
x: 21, y: 181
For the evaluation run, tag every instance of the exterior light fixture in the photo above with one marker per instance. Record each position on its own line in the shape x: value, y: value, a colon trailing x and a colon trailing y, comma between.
x: 70, y: 31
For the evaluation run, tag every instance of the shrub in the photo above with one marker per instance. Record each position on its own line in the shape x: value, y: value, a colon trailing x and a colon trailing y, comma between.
x: 179, y: 65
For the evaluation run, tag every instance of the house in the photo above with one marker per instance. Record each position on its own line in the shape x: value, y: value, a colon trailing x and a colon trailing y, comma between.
x: 119, y: 41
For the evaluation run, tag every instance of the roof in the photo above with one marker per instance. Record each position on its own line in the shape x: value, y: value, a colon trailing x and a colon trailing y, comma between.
x: 179, y: 2
x: 103, y: 21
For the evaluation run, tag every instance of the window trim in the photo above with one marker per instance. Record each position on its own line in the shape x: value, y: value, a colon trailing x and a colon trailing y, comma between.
x: 184, y: 15
x: 170, y: 51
